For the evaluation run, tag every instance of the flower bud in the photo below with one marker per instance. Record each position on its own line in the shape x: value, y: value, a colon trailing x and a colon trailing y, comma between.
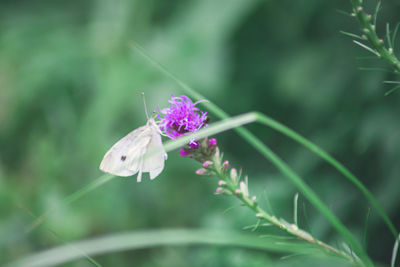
x: 201, y: 171
x: 183, y: 152
x: 212, y: 142
x: 219, y: 190
x: 244, y: 189
x: 194, y: 144
x: 221, y: 183
x: 225, y: 165
x: 234, y: 175
x: 237, y: 191
x: 207, y: 164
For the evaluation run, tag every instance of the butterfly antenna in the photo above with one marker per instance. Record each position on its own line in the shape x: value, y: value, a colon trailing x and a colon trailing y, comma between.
x: 145, y: 106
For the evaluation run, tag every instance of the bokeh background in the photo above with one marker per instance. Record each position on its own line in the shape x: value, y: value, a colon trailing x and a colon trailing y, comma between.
x: 70, y: 86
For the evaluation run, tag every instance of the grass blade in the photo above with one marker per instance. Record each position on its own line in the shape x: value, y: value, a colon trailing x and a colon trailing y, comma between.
x: 395, y: 251
x: 72, y: 198
x: 154, y: 238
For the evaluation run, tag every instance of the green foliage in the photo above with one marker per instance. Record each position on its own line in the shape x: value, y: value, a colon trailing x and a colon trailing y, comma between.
x: 70, y: 87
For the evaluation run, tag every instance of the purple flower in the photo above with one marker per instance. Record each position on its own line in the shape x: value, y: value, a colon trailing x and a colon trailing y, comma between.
x: 182, y: 117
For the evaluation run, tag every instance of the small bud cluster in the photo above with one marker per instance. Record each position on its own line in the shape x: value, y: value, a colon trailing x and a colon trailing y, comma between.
x: 204, y: 152
x: 199, y: 150
x: 207, y: 152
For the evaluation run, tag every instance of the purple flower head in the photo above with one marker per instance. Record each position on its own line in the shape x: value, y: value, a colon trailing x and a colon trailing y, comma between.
x: 182, y: 117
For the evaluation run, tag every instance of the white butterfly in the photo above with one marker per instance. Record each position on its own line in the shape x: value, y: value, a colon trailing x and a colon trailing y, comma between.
x: 140, y: 151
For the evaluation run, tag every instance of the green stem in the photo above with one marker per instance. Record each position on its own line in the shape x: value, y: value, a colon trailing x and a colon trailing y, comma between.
x: 307, y: 191
x: 370, y: 35
x: 291, y: 229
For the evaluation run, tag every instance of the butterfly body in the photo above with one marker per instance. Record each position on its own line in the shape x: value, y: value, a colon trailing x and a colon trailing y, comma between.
x: 139, y: 151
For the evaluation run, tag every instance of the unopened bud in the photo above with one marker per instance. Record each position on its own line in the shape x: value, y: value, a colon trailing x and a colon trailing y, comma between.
x: 212, y: 142
x: 237, y: 191
x: 225, y: 165
x: 221, y: 183
x: 183, y: 152
x: 234, y: 175
x: 207, y: 164
x: 201, y: 171
x: 194, y: 144
x: 244, y: 189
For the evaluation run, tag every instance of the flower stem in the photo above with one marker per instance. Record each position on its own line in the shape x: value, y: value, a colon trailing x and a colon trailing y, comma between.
x: 291, y: 229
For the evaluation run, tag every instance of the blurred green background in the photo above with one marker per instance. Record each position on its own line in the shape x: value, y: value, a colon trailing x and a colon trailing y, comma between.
x: 70, y: 86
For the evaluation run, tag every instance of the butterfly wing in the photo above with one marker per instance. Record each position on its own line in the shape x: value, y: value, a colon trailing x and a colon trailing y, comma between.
x: 153, y: 159
x: 125, y: 158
